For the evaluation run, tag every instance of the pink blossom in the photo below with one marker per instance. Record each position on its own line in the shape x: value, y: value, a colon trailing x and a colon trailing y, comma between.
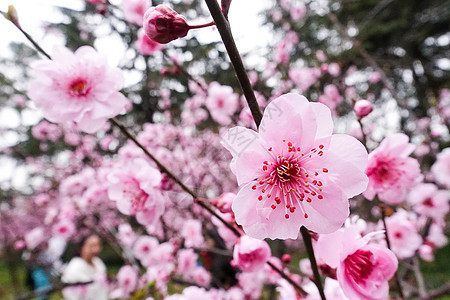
x: 127, y: 279
x: 145, y: 45
x: 334, y: 69
x: 162, y: 24
x: 46, y: 131
x: 403, y: 235
x: 126, y: 234
x: 441, y: 168
x: 428, y: 201
x: 304, y: 174
x: 34, y: 237
x: 374, y: 77
x: 64, y: 228
x: 143, y: 246
x: 221, y: 102
x: 298, y: 11
x: 362, y: 108
x: 134, y: 187
x: 134, y: 10
x: 391, y: 172
x: 77, y: 87
x: 250, y: 254
x: 304, y: 77
x: 187, y: 261
x: 330, y: 97
x: 94, y: 1
x: 363, y: 269
x: 19, y: 245
x: 192, y: 233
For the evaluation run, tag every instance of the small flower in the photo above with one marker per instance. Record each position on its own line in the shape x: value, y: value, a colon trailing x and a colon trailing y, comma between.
x: 391, y: 172
x: 221, y: 102
x: 145, y: 45
x: 294, y: 172
x: 77, y: 87
x: 250, y: 254
x: 441, y: 168
x: 162, y: 24
x: 362, y: 269
x: 362, y: 108
x: 134, y: 10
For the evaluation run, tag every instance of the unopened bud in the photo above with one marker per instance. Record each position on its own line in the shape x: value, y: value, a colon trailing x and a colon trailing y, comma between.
x: 12, y: 15
x: 162, y: 24
x: 286, y: 258
x: 362, y: 108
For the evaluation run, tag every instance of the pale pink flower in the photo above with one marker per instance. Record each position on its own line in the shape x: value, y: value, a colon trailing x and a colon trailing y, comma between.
x: 77, y: 87
x: 46, y: 131
x: 162, y: 24
x: 441, y: 168
x: 221, y: 102
x: 304, y: 77
x: 428, y: 201
x: 201, y: 276
x: 192, y: 233
x: 334, y: 69
x: 250, y: 254
x: 134, y: 10
x: 391, y: 172
x: 330, y: 97
x: 143, y: 246
x: 363, y: 270
x: 403, y: 235
x: 298, y: 11
x: 294, y: 172
x: 35, y: 237
x: 126, y: 234
x: 145, y: 45
x: 127, y: 280
x: 374, y: 77
x: 134, y: 187
x: 64, y: 228
x: 362, y: 108
x: 187, y: 261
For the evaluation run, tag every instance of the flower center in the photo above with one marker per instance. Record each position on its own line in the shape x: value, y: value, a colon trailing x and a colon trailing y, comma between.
x: 133, y: 193
x: 428, y: 202
x: 79, y: 87
x: 359, y: 265
x: 286, y: 183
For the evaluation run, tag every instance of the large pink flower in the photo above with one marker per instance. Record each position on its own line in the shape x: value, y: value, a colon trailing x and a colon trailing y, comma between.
x: 77, y: 87
x: 294, y: 172
x: 391, y: 171
x: 362, y: 269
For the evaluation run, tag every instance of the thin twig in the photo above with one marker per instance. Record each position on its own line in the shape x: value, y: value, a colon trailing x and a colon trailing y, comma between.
x: 301, y: 291
x: 308, y: 244
x: 227, y: 38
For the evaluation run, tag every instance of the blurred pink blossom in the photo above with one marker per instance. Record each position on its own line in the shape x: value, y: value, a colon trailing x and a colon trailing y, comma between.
x: 441, y: 168
x: 250, y: 254
x: 134, y: 10
x: 77, y: 87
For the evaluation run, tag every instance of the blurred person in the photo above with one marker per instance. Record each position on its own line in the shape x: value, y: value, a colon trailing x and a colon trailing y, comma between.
x: 86, y: 267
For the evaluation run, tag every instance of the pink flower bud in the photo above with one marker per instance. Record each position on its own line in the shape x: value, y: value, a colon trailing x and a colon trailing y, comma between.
x: 362, y: 108
x: 162, y: 24
x: 286, y: 258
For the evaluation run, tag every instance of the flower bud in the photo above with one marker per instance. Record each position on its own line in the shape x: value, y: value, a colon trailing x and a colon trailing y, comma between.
x: 362, y: 108
x: 162, y: 24
x: 12, y: 15
x: 286, y: 258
